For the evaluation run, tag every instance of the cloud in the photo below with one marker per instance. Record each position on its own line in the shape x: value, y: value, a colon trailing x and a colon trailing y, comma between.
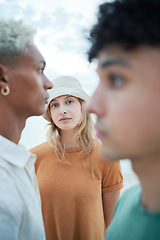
x: 60, y: 35
x: 60, y: 38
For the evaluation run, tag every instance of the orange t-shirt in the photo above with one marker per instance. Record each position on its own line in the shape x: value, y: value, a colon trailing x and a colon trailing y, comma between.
x: 71, y: 197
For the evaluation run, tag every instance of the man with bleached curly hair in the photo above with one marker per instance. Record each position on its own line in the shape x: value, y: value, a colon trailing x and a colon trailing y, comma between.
x: 23, y: 93
x: 126, y: 42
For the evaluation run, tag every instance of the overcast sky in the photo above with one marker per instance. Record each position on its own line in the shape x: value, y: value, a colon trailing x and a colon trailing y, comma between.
x: 61, y: 25
x: 60, y: 37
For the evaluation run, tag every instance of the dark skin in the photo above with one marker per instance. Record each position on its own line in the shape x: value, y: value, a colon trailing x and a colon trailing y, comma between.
x: 28, y: 92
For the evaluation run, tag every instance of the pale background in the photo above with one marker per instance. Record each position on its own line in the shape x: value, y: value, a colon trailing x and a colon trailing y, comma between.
x: 61, y: 26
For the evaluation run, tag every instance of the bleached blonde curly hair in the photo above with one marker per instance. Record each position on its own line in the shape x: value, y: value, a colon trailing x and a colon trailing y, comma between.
x: 14, y: 37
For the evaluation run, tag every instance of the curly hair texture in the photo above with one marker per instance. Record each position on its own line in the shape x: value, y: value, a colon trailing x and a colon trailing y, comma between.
x: 85, y: 137
x: 14, y: 36
x: 128, y: 23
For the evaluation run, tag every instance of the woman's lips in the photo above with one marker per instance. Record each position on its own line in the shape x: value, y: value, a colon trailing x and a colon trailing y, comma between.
x: 64, y: 119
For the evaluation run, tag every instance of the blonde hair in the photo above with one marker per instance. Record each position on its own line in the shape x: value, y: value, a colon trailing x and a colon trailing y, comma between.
x: 14, y: 37
x: 85, y: 136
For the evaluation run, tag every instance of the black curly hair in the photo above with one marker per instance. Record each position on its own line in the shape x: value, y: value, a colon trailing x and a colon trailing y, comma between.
x: 128, y: 23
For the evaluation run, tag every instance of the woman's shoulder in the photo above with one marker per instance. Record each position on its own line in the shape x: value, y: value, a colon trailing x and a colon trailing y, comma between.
x: 43, y: 152
x: 41, y: 148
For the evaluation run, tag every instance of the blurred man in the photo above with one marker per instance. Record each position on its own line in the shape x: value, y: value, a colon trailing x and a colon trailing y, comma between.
x: 126, y: 42
x: 23, y: 93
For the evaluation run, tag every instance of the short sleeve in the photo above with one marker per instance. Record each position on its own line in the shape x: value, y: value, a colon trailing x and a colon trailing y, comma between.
x: 112, y: 177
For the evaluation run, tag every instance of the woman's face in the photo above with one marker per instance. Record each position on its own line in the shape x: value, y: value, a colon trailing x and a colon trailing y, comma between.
x: 66, y: 112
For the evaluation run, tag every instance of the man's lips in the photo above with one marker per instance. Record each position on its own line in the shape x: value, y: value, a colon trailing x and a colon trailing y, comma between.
x: 99, y: 132
x: 46, y: 98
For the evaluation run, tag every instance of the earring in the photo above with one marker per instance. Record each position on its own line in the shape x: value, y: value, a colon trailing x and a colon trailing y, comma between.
x: 5, y: 90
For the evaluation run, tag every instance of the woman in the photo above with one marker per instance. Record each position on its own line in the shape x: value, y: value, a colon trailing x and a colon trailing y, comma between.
x: 78, y: 187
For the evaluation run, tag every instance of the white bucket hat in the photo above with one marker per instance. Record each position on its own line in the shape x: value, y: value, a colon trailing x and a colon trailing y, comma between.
x: 65, y: 85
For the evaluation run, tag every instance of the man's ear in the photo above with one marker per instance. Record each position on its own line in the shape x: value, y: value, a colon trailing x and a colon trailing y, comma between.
x: 3, y: 76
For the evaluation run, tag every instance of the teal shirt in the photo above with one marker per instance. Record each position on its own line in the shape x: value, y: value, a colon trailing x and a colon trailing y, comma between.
x: 131, y: 221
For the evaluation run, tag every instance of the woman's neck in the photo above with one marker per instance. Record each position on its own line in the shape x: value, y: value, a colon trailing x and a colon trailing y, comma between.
x: 68, y: 139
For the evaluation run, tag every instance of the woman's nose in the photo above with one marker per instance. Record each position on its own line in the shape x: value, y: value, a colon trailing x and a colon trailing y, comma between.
x: 63, y: 111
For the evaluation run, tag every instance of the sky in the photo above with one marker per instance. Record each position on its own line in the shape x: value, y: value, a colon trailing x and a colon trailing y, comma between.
x: 61, y: 26
x: 61, y: 38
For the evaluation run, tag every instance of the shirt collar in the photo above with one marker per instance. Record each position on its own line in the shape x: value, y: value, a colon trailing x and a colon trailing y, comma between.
x: 15, y: 154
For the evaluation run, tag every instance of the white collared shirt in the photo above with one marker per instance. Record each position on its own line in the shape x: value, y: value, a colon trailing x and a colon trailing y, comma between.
x: 20, y: 207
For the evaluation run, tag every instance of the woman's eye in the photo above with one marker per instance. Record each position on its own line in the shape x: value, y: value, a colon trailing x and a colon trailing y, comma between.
x: 116, y: 81
x: 54, y: 105
x: 69, y: 101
